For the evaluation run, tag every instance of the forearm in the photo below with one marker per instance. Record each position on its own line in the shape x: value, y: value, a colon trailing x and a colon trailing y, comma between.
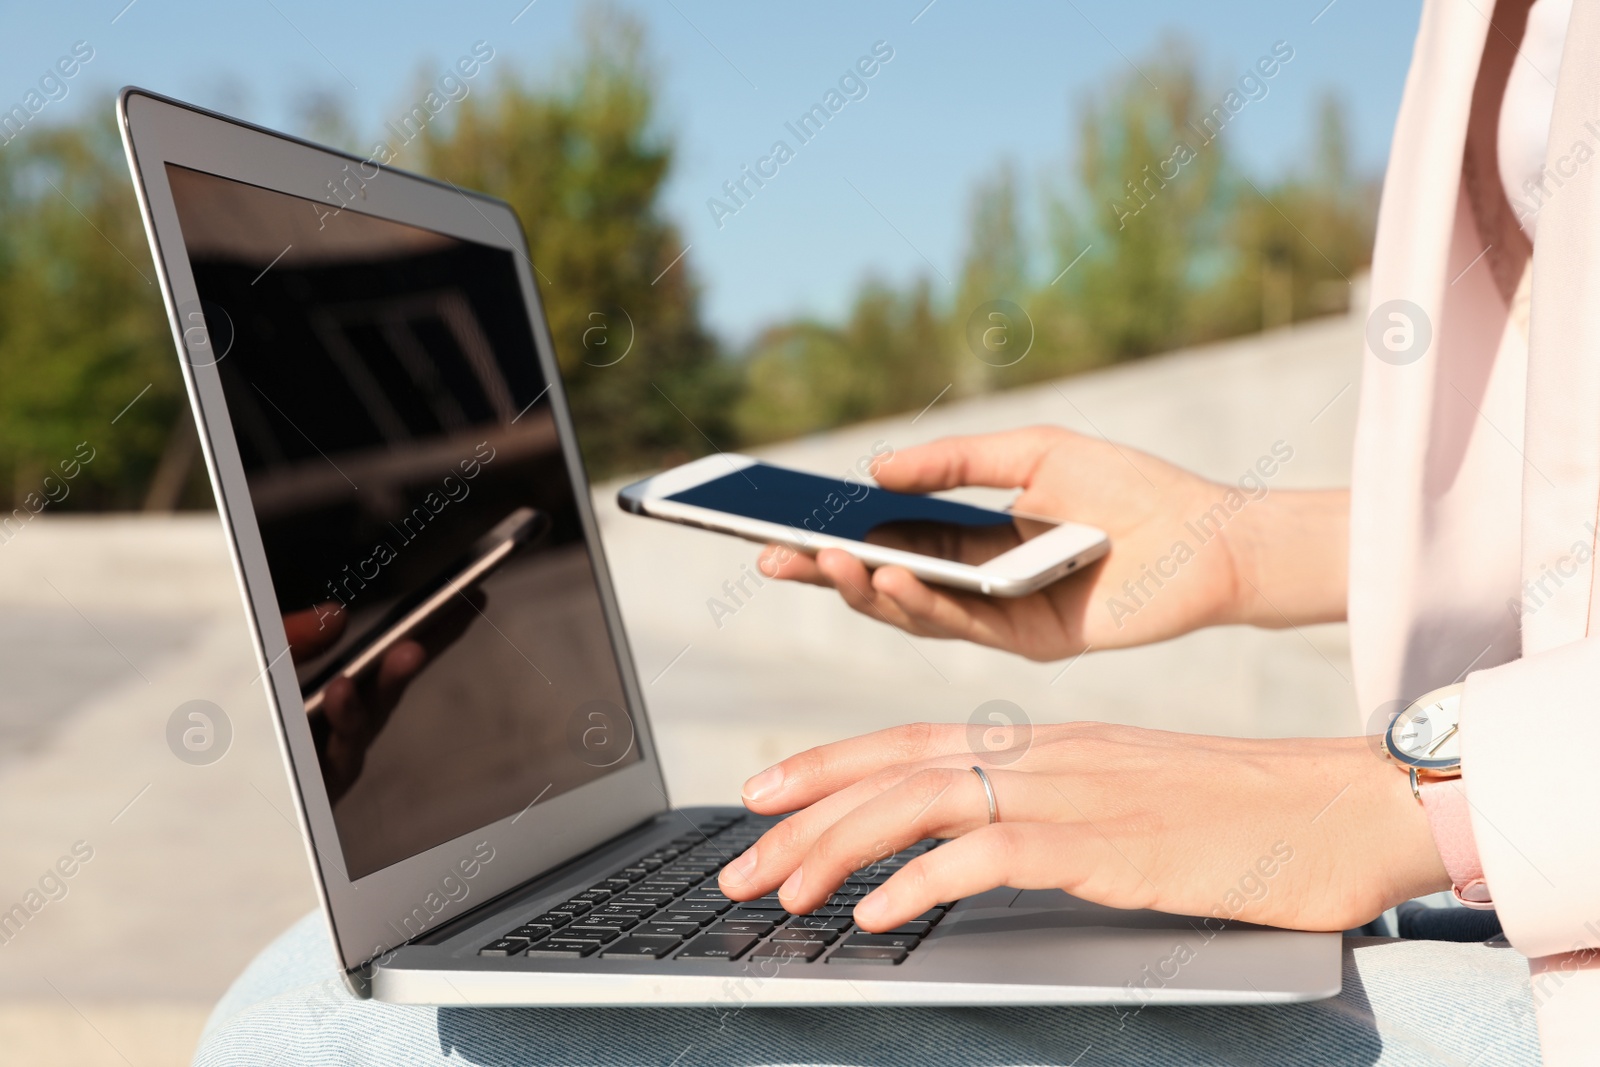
x: 1290, y: 553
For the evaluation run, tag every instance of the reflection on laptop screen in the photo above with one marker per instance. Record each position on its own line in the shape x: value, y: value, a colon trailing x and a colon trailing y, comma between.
x: 420, y: 526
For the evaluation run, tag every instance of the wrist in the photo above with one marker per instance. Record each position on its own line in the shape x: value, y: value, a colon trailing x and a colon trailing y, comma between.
x: 1407, y: 855
x: 1289, y: 555
x: 1367, y: 837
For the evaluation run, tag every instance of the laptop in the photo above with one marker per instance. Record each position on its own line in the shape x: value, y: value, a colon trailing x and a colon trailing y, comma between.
x: 398, y: 473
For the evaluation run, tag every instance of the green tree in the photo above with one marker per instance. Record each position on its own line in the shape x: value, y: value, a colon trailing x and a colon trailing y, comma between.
x: 82, y: 331
x: 1294, y: 244
x: 994, y: 269
x: 583, y: 164
x: 1147, y: 204
x: 1156, y: 241
x: 892, y: 354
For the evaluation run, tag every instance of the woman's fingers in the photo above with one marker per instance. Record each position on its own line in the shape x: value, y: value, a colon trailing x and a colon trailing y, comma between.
x: 808, y: 776
x: 790, y: 564
x: 1021, y: 855
x: 1003, y: 460
x: 939, y: 612
x: 858, y: 588
x: 870, y: 818
x: 762, y: 867
x: 940, y: 801
x: 840, y: 782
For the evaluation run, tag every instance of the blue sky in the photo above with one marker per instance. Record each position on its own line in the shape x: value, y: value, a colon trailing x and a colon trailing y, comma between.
x: 883, y: 189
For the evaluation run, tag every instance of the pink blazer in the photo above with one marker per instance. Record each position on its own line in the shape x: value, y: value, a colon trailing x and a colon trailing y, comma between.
x: 1476, y: 497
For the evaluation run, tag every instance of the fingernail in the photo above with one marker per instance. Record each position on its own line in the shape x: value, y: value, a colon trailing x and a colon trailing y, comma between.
x: 872, y: 907
x: 741, y: 870
x: 764, y: 784
x: 791, y: 885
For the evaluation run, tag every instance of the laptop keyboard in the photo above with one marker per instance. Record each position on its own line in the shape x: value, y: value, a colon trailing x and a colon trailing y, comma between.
x: 666, y: 906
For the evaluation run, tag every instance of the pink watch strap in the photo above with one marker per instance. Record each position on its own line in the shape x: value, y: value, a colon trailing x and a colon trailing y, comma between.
x: 1450, y: 818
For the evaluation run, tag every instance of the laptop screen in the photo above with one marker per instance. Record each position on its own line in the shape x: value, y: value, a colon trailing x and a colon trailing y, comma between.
x: 420, y: 526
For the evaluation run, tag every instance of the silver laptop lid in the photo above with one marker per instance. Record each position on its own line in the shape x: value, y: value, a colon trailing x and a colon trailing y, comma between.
x: 395, y: 464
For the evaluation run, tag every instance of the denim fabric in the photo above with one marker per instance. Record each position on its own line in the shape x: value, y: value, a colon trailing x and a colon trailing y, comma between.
x: 1404, y: 1002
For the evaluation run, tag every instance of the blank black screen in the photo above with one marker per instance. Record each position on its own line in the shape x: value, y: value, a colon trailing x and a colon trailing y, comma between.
x: 855, y: 511
x: 390, y: 412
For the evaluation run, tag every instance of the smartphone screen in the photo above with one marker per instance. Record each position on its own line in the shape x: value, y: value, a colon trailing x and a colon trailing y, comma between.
x: 855, y: 511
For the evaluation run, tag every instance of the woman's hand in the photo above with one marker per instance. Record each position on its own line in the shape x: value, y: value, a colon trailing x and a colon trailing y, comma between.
x: 1303, y: 833
x: 1185, y: 552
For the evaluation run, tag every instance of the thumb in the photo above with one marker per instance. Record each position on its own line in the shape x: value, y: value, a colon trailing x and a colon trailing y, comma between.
x: 1001, y: 460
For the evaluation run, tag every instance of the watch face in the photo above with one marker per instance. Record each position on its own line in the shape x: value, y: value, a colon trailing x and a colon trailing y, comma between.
x: 1426, y: 734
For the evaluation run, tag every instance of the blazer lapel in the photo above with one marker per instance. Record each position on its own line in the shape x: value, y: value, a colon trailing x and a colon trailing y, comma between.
x: 1413, y: 263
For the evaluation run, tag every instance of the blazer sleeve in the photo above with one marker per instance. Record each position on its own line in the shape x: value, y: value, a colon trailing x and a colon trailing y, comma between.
x: 1530, y: 762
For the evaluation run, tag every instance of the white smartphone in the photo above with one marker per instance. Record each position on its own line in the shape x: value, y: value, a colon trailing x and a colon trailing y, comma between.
x: 998, y: 553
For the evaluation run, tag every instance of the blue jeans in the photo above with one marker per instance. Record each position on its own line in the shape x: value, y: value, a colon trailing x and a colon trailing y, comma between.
x: 1404, y: 1002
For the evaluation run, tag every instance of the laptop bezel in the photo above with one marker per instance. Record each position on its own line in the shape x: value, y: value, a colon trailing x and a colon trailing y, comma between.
x: 368, y: 916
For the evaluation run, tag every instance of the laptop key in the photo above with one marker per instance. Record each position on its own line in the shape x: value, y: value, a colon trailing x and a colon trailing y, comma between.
x: 532, y: 931
x: 594, y: 896
x: 863, y: 940
x: 710, y: 892
x: 593, y: 937
x: 663, y: 929
x: 818, y: 922
x: 799, y: 951
x: 635, y: 896
x: 834, y: 911
x: 867, y: 954
x: 708, y: 907
x: 914, y: 928
x: 932, y: 915
x: 641, y: 946
x: 559, y: 947
x: 610, y: 922
x: 666, y: 883
x: 737, y: 926
x: 505, y: 946
x: 573, y: 908
x: 717, y: 947
x: 673, y: 915
x: 551, y: 919
x: 820, y: 937
x: 620, y: 909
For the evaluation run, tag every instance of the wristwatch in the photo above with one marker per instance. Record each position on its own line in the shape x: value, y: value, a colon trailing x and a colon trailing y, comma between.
x: 1425, y: 739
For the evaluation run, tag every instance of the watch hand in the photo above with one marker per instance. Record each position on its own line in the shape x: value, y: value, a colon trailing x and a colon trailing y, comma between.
x: 1443, y: 739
